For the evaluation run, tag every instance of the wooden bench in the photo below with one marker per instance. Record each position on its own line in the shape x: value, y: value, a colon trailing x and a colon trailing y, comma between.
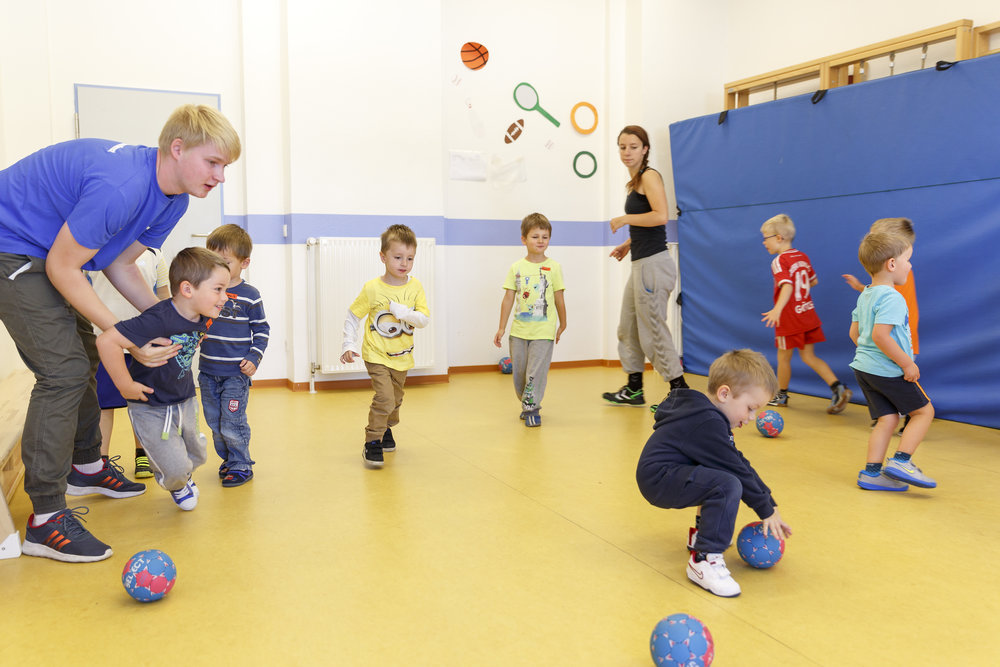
x: 15, y: 390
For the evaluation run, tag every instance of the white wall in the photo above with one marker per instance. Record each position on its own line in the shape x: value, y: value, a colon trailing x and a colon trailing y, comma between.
x: 351, y: 108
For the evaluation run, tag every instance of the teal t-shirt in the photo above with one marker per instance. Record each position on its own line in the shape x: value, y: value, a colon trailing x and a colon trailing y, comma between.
x: 880, y: 304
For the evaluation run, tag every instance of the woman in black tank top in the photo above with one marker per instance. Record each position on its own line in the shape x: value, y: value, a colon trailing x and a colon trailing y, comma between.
x: 642, y: 328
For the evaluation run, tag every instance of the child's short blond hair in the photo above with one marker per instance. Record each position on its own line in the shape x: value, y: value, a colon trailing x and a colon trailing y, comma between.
x: 198, y: 124
x: 398, y: 234
x: 779, y: 224
x: 899, y: 226
x: 879, y: 247
x: 535, y: 221
x: 194, y: 265
x: 233, y: 238
x: 742, y: 370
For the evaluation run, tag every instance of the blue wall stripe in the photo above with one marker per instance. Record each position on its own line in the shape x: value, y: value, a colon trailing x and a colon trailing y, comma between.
x: 270, y: 229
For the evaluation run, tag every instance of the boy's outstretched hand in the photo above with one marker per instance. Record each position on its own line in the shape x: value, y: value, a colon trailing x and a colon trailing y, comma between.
x: 349, y: 356
x: 853, y: 282
x: 775, y: 525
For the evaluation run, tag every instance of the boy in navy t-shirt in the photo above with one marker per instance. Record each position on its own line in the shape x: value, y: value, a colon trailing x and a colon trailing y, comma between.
x: 162, y: 403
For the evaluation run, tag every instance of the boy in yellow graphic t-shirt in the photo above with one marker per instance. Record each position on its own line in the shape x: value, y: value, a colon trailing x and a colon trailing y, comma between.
x: 394, y: 304
x: 534, y: 291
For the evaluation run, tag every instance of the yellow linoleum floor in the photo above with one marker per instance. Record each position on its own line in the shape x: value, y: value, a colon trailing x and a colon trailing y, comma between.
x: 483, y: 542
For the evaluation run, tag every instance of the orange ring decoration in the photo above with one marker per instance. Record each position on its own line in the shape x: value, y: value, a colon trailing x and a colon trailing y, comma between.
x: 572, y: 117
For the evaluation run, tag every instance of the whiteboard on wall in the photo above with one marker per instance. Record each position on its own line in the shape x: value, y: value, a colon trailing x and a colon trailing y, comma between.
x: 136, y: 116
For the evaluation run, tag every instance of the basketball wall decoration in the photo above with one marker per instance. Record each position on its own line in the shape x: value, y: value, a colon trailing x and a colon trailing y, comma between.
x: 514, y: 131
x: 475, y: 55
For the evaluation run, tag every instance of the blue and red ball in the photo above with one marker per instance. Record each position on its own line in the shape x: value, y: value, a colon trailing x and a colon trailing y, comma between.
x: 149, y: 575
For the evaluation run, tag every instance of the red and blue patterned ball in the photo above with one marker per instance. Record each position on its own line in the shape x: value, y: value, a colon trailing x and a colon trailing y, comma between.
x: 680, y: 640
x: 770, y: 423
x: 759, y: 551
x: 149, y: 575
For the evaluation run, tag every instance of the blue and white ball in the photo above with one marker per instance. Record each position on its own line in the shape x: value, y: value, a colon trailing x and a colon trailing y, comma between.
x: 149, y: 575
x: 680, y: 640
x: 759, y: 551
x: 769, y: 423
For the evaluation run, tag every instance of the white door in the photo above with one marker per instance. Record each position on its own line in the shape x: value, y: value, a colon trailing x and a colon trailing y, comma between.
x: 136, y: 116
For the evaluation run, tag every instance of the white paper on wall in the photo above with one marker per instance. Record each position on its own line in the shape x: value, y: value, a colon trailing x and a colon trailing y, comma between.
x: 504, y: 174
x: 467, y: 166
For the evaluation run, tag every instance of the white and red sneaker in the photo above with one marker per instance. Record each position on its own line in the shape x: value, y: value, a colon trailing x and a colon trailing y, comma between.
x: 709, y: 571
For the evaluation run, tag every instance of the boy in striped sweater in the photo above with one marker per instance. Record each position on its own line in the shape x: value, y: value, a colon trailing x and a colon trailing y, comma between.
x: 230, y: 355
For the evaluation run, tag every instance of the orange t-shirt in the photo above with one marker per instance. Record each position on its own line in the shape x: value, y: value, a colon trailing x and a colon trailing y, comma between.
x: 909, y: 292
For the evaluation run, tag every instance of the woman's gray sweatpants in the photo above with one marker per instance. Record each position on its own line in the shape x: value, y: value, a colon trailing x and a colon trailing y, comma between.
x: 169, y: 434
x: 642, y: 328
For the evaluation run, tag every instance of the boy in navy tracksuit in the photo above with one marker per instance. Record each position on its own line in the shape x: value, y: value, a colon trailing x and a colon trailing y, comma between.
x: 692, y: 461
x: 230, y: 355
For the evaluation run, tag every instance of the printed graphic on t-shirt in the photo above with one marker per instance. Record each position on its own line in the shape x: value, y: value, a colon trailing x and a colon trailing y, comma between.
x: 385, y: 324
x: 189, y: 345
x: 232, y: 308
x: 530, y: 304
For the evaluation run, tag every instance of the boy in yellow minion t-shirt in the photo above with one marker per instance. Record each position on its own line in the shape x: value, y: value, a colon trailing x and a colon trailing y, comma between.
x: 394, y: 304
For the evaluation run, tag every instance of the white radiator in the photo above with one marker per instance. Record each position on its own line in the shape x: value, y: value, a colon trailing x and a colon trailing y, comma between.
x: 339, y: 268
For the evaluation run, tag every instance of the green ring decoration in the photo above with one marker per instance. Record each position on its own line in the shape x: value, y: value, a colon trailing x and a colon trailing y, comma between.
x: 577, y: 171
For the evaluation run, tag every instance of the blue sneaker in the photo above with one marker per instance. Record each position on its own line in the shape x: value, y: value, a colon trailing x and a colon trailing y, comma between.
x: 236, y: 478
x: 64, y: 538
x: 186, y: 497
x: 110, y: 482
x: 905, y: 471
x: 532, y: 419
x: 879, y: 482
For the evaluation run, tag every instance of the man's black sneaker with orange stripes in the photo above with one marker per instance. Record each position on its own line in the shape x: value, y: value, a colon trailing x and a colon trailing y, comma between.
x: 64, y: 538
x: 110, y: 481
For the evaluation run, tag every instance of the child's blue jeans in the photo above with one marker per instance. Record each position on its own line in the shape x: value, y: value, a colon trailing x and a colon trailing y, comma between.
x: 224, y: 404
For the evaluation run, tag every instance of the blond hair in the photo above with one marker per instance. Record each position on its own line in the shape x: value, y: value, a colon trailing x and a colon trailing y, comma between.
x: 879, y: 247
x: 897, y: 226
x: 194, y: 265
x: 779, y: 224
x: 196, y: 125
x: 535, y: 221
x: 742, y: 370
x: 233, y: 238
x: 398, y: 234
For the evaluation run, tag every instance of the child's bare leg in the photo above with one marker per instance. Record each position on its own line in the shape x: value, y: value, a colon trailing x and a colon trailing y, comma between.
x: 808, y: 356
x: 107, y: 427
x: 913, y: 435
x: 878, y: 440
x: 784, y: 368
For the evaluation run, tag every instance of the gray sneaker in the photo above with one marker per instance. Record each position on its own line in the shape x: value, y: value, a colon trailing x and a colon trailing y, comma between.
x: 905, y: 471
x: 841, y: 396
x: 880, y: 482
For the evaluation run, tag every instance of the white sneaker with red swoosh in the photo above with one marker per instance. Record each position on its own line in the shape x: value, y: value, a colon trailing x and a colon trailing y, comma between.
x: 710, y: 572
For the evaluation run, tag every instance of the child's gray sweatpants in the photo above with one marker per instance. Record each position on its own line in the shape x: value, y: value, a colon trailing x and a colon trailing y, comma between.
x: 169, y: 434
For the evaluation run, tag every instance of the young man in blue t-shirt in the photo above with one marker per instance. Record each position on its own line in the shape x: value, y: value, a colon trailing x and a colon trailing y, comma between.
x: 162, y: 403
x: 88, y: 204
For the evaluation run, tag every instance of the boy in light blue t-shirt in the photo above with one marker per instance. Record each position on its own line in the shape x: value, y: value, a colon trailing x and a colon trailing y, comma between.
x: 884, y: 366
x: 534, y: 284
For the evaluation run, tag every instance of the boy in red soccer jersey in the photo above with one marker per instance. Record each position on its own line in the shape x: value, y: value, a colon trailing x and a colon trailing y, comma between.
x: 794, y: 318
